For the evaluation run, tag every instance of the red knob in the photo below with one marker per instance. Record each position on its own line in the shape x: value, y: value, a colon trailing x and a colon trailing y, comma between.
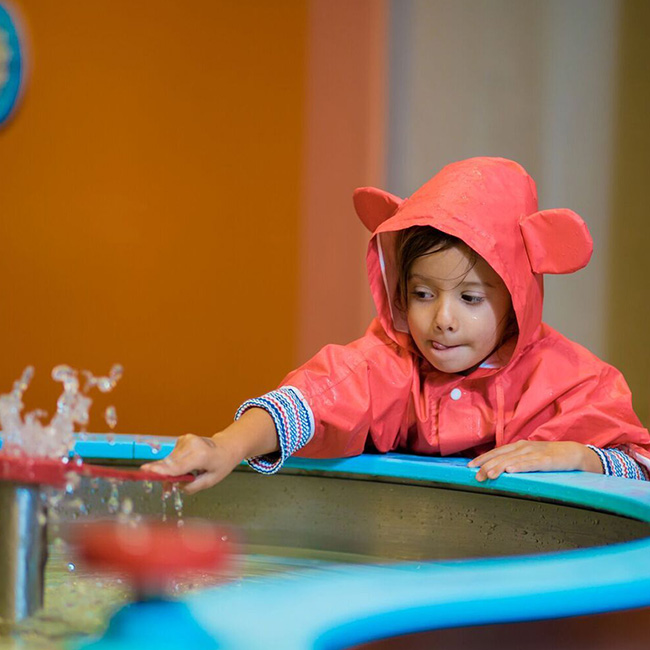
x: 154, y: 553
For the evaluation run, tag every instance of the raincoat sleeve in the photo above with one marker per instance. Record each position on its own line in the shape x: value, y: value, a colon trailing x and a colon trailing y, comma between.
x: 329, y: 407
x: 575, y: 398
x: 617, y: 463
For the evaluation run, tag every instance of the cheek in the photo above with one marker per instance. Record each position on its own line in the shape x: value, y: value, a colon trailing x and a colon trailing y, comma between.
x: 491, y: 326
x: 413, y: 324
x: 413, y: 316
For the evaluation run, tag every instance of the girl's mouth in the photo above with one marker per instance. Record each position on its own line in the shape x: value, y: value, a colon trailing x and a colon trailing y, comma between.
x: 439, y: 346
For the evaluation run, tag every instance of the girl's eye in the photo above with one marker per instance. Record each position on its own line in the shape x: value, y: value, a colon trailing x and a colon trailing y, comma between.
x: 473, y: 300
x: 421, y: 294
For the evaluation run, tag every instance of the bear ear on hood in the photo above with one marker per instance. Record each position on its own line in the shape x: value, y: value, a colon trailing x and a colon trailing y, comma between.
x: 557, y: 241
x: 374, y: 206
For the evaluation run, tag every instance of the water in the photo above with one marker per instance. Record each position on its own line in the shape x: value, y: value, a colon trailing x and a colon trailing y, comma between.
x: 29, y: 435
x: 79, y: 601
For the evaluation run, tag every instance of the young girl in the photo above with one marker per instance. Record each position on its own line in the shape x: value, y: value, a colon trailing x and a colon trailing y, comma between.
x: 457, y: 360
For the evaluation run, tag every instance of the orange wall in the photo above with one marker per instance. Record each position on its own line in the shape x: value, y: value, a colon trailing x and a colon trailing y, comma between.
x: 344, y: 149
x: 149, y: 204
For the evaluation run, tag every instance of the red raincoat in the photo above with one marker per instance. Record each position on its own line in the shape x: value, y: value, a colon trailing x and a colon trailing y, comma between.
x: 379, y: 391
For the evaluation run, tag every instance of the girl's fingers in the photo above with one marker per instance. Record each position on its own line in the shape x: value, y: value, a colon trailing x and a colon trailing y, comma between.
x: 516, y: 461
x: 487, y: 462
x: 201, y: 482
x: 530, y: 456
x: 496, y: 453
x: 190, y: 453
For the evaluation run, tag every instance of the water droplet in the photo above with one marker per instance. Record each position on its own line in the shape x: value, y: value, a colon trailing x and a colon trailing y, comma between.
x: 113, y: 502
x: 116, y: 372
x: 104, y: 384
x: 111, y: 416
x: 71, y: 567
x: 178, y: 499
x: 72, y: 482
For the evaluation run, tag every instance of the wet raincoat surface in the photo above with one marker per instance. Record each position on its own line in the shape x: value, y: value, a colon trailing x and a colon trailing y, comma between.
x: 379, y: 392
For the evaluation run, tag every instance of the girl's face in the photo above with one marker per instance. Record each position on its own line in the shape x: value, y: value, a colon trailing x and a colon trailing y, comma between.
x: 457, y: 310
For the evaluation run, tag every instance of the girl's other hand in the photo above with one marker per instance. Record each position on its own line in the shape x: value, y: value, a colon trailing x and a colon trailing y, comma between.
x: 536, y: 456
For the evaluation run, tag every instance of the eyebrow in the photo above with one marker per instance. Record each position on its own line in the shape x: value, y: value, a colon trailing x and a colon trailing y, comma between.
x: 425, y: 278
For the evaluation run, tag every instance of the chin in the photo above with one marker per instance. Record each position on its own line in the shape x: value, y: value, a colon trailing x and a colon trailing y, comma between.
x: 448, y: 369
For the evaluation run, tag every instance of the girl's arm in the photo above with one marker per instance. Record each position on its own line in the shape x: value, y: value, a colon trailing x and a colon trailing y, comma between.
x: 326, y: 406
x: 253, y: 434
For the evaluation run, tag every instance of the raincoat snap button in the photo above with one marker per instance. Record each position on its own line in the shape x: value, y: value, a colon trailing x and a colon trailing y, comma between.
x: 456, y: 394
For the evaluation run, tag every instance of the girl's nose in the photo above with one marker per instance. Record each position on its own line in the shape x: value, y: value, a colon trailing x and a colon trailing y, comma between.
x: 444, y: 319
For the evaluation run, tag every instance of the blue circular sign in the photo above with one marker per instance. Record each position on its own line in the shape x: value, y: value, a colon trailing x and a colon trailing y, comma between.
x: 11, y: 64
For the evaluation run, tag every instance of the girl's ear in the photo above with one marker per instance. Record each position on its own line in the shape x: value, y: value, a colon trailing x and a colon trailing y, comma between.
x: 557, y: 241
x: 374, y: 206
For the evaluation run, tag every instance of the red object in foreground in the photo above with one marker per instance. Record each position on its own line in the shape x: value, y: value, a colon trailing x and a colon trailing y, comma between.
x: 53, y: 471
x: 153, y: 553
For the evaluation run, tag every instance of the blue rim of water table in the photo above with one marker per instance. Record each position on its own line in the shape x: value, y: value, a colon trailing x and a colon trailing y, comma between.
x: 353, y: 604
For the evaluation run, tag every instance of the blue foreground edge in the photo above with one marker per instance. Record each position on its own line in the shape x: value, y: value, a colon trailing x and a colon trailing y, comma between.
x: 353, y: 604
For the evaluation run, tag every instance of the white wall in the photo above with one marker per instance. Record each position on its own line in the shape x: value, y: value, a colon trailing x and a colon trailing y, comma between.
x: 532, y: 80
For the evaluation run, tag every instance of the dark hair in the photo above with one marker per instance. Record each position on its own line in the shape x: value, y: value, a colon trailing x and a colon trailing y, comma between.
x: 417, y: 241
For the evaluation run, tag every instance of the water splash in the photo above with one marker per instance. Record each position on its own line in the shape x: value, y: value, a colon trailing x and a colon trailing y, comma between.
x: 29, y: 435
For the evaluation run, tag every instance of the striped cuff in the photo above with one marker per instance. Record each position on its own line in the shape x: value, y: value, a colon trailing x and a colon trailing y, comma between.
x: 294, y: 423
x: 617, y: 463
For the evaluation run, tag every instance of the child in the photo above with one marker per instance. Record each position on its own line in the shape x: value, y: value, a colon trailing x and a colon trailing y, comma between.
x: 457, y: 361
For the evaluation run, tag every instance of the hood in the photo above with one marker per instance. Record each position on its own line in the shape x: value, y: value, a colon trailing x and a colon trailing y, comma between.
x: 491, y: 205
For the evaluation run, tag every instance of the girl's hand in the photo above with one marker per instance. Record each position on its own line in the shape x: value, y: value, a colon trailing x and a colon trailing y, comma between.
x: 536, y: 456
x: 214, y: 458
x: 209, y: 456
